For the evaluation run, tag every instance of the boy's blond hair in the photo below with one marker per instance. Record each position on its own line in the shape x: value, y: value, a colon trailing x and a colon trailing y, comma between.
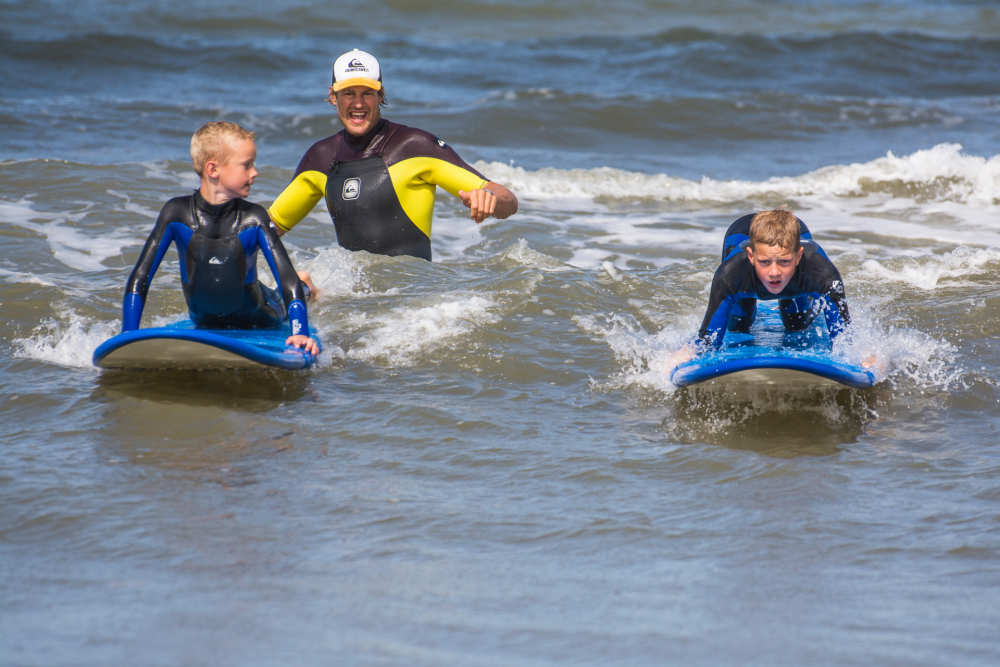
x: 211, y: 142
x: 777, y: 228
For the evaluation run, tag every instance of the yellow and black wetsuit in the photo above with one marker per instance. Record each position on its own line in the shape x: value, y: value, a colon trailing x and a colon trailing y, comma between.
x: 379, y: 188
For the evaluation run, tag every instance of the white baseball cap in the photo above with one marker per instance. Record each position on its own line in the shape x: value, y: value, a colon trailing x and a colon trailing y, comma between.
x: 356, y: 68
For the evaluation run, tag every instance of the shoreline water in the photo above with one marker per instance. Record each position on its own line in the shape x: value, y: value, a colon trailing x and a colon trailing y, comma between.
x: 488, y: 465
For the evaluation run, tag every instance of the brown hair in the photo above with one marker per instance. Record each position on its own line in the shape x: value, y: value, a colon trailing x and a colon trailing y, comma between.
x: 211, y: 141
x: 778, y: 228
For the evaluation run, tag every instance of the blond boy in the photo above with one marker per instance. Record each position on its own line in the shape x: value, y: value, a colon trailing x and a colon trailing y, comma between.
x: 217, y: 234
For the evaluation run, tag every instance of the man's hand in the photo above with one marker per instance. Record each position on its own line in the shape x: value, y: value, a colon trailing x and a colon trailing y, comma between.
x: 482, y: 203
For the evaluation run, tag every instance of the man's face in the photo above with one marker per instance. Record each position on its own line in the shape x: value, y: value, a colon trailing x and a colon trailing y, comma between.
x: 358, y: 108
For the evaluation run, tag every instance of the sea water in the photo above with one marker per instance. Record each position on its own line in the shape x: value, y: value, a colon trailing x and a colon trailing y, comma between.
x: 489, y: 465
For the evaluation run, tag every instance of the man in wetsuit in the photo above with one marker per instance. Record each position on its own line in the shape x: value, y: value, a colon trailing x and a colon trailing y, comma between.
x: 218, y: 234
x: 770, y: 255
x: 379, y: 178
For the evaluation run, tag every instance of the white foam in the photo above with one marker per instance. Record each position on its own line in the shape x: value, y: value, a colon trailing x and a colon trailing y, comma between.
x: 942, y: 171
x: 643, y: 356
x: 336, y: 272
x: 928, y: 272
x: 939, y: 195
x: 612, y: 271
x: 69, y: 342
x: 21, y: 277
x: 404, y: 335
x: 143, y: 212
x: 454, y: 233
x: 525, y: 255
x: 13, y: 211
x: 895, y: 353
x: 512, y: 95
x: 899, y: 353
x: 71, y: 243
x: 184, y: 179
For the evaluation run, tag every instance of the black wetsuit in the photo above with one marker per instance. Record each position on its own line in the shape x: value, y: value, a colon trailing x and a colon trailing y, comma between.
x: 379, y: 188
x: 217, y: 247
x: 816, y: 287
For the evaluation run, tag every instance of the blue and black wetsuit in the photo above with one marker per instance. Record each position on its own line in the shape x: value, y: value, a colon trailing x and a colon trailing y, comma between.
x: 816, y: 287
x: 217, y: 246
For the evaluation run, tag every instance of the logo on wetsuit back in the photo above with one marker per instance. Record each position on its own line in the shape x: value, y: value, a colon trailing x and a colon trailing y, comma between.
x: 352, y: 188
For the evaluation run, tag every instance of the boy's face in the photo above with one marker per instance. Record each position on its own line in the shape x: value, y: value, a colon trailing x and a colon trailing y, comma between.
x: 774, y: 265
x: 357, y: 108
x: 236, y: 171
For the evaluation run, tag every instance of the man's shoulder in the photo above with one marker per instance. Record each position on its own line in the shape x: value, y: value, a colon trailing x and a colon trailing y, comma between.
x: 413, y: 138
x: 408, y: 131
x: 321, y: 154
x: 404, y: 142
x: 331, y: 141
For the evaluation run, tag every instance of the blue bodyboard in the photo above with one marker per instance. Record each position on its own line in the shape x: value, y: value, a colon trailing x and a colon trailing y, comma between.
x: 769, y: 355
x: 181, y: 345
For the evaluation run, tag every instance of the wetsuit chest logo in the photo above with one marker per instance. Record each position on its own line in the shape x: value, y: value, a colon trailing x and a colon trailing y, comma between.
x: 351, y: 189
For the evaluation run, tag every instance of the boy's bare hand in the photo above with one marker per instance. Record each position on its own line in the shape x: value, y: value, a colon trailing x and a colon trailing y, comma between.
x: 305, y: 342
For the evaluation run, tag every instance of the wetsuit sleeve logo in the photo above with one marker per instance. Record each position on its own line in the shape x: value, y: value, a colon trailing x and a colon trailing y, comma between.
x: 351, y: 189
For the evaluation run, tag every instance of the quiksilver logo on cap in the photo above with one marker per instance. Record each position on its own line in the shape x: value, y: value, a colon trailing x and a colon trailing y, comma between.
x: 355, y: 66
